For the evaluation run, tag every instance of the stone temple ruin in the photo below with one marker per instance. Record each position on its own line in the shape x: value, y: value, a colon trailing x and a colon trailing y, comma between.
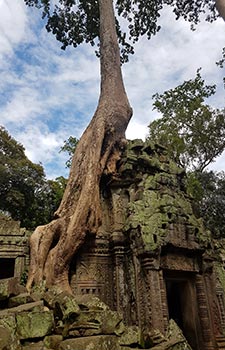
x: 14, y: 250
x: 152, y: 260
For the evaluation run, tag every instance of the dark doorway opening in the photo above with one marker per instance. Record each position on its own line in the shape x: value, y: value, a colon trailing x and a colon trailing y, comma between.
x: 7, y: 267
x: 182, y: 306
x: 174, y: 301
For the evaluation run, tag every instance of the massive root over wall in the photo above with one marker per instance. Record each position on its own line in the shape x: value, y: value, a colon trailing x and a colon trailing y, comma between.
x: 54, y: 245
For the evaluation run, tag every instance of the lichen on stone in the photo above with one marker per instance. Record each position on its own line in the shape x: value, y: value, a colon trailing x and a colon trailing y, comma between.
x: 158, y: 200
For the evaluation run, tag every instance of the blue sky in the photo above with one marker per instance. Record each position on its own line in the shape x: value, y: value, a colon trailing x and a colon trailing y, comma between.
x: 48, y: 94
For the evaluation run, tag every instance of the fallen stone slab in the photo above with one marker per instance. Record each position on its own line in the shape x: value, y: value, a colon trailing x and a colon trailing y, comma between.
x: 34, y: 324
x: 53, y: 341
x: 131, y: 337
x: 35, y: 306
x: 104, y: 342
x: 88, y: 323
x: 64, y: 305
x: 9, y: 287
x: 8, y: 337
x: 90, y: 303
x: 23, y: 298
x: 5, y: 337
x: 35, y: 346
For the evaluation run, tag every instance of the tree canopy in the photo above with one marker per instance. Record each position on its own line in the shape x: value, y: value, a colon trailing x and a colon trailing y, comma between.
x: 20, y: 180
x: 25, y: 193
x: 193, y: 131
x: 77, y: 21
x: 208, y: 191
x: 69, y: 147
x: 194, y: 134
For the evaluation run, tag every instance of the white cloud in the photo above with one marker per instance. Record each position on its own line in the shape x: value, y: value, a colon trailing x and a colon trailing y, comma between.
x: 171, y: 57
x: 12, y: 25
x: 48, y: 94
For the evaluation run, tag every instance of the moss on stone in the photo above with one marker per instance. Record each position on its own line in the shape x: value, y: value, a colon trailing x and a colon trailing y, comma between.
x: 34, y: 324
x: 159, y: 199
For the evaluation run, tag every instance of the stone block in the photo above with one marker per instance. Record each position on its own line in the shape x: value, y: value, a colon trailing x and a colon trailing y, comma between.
x: 35, y: 306
x: 53, y: 341
x: 8, y: 338
x: 64, y: 305
x: 5, y: 337
x: 96, y: 322
x: 34, y: 324
x: 101, y: 342
x: 131, y: 337
x: 90, y: 303
x: 20, y: 299
x: 9, y: 287
x: 35, y: 346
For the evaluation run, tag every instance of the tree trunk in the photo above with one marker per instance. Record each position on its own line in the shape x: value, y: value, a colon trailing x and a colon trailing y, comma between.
x: 220, y: 5
x: 54, y: 245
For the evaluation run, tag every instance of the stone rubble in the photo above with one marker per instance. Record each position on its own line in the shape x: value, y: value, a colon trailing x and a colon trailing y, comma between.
x: 66, y: 322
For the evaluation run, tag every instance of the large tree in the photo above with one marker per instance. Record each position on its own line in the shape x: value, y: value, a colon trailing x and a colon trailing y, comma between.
x: 25, y: 193
x: 21, y: 183
x: 73, y: 22
x: 192, y: 130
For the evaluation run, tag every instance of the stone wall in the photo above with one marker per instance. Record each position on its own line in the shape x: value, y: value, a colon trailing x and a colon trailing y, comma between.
x: 14, y: 248
x: 149, y: 243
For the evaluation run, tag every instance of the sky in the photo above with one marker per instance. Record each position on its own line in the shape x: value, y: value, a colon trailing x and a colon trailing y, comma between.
x: 48, y: 94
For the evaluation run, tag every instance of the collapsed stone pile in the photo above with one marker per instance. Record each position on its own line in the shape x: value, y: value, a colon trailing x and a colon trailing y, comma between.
x: 48, y: 320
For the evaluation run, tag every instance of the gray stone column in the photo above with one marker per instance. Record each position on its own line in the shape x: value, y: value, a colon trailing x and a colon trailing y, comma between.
x: 204, y: 314
x: 154, y: 305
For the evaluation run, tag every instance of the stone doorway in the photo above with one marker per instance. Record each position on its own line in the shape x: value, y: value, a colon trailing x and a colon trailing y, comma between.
x: 182, y: 306
x: 7, y: 267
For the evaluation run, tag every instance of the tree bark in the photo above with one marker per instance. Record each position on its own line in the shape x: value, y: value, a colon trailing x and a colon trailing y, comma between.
x: 220, y: 5
x: 54, y: 245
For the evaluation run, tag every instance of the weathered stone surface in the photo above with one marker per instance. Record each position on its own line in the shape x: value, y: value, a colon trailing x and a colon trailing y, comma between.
x: 131, y: 337
x: 174, y: 333
x: 34, y: 324
x: 53, y: 341
x: 90, y: 303
x: 97, y: 322
x: 5, y: 337
x: 35, y: 306
x: 20, y: 299
x: 9, y: 287
x: 63, y: 304
x: 8, y: 331
x: 149, y: 245
x: 106, y: 342
x: 8, y: 321
x: 35, y: 346
x: 8, y: 226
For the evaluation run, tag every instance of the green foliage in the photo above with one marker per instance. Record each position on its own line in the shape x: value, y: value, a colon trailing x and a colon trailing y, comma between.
x: 23, y: 278
x: 193, y: 131
x: 221, y: 63
x: 24, y: 191
x: 20, y: 180
x: 208, y: 191
x: 77, y: 21
x: 54, y: 193
x: 69, y: 147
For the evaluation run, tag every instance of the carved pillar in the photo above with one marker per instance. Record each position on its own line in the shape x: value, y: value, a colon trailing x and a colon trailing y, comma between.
x: 139, y: 292
x: 216, y: 304
x: 154, y: 307
x: 221, y: 306
x: 165, y: 313
x: 19, y: 266
x: 120, y: 293
x: 204, y: 314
